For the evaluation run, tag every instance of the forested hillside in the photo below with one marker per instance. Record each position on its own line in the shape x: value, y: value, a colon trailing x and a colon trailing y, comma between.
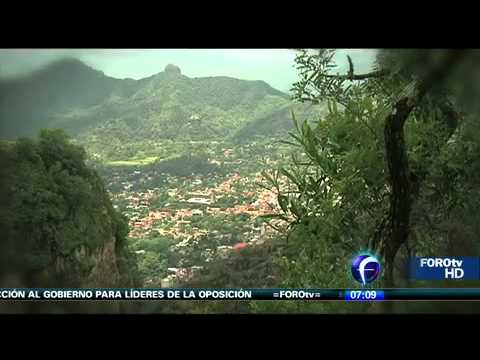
x: 107, y: 115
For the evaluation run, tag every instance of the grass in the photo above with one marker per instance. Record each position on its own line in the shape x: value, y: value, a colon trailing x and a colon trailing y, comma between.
x: 132, y: 162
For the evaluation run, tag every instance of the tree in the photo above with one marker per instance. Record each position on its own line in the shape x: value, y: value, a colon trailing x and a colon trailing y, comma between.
x: 367, y: 121
x: 55, y: 147
x: 55, y: 214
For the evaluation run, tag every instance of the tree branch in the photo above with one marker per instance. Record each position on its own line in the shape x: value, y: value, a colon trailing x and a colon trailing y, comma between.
x: 350, y: 67
x: 351, y: 76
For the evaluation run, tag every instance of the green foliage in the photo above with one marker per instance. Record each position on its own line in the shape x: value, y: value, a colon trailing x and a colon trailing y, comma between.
x: 152, y: 264
x: 248, y: 268
x: 338, y: 174
x: 335, y: 189
x: 56, y: 207
x: 445, y: 217
x: 314, y: 68
x: 187, y: 165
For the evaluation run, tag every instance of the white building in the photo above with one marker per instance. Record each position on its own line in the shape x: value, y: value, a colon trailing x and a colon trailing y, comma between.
x: 201, y: 201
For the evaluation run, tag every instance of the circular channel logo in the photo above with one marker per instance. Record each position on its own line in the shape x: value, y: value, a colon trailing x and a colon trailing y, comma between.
x: 365, y: 268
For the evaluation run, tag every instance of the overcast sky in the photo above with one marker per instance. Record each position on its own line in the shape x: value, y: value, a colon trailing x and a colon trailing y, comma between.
x: 275, y: 66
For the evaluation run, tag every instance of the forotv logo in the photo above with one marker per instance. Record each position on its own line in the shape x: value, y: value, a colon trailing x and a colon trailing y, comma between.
x: 365, y: 268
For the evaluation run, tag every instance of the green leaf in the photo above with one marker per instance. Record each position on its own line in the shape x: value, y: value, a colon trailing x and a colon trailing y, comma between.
x: 304, y: 128
x: 267, y: 177
x: 296, y: 137
x: 288, y: 143
x: 283, y: 202
x: 329, y: 106
x: 334, y: 108
x: 288, y: 175
x: 295, y: 122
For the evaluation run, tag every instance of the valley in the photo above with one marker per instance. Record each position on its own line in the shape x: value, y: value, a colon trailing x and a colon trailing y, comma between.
x: 183, y: 218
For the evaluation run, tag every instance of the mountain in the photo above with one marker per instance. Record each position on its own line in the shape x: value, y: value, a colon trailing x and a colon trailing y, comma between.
x: 168, y: 105
x: 277, y: 123
x: 36, y: 101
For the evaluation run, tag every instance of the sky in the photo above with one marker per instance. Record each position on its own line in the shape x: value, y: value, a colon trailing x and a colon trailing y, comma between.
x: 275, y: 66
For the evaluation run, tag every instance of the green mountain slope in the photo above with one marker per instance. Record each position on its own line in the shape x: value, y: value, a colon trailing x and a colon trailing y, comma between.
x: 104, y: 112
x: 41, y: 99
x: 277, y: 123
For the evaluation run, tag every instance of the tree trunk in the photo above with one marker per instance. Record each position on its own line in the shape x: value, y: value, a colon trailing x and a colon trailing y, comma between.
x: 395, y: 233
x: 393, y: 230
